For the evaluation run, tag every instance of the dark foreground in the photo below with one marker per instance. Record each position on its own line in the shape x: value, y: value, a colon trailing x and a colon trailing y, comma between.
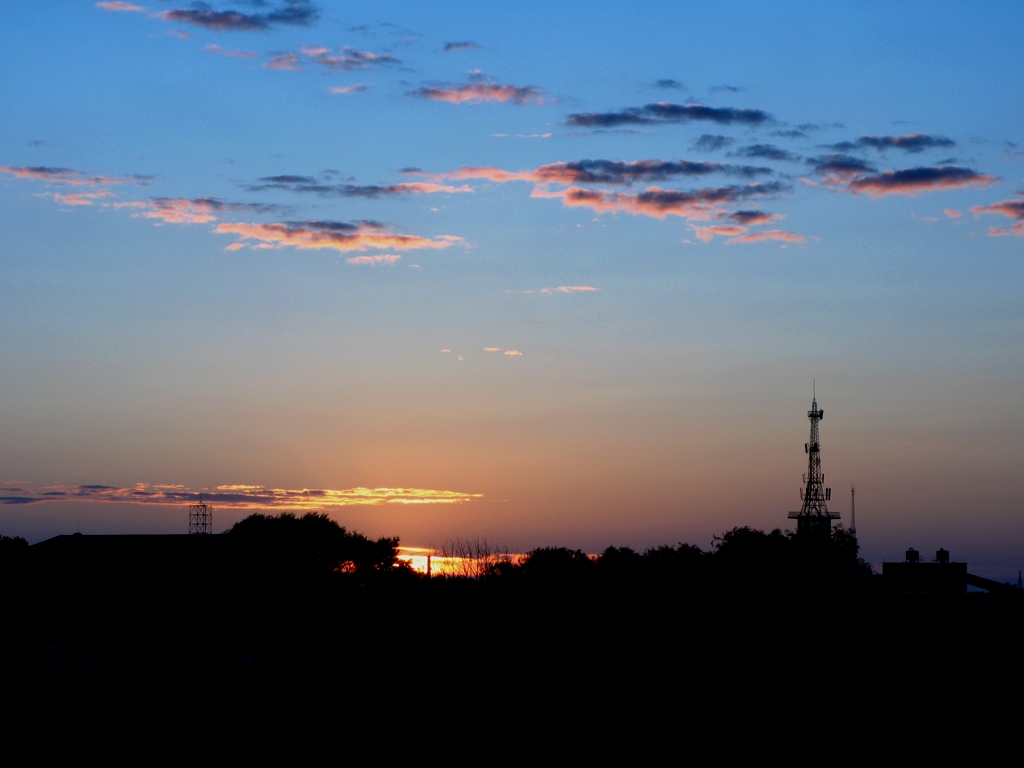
x: 274, y: 614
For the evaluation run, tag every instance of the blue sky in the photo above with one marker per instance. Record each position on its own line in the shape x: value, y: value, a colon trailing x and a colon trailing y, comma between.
x: 772, y: 193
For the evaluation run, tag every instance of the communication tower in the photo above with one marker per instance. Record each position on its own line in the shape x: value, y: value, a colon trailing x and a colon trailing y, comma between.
x: 814, y: 517
x: 200, y: 518
x: 853, y: 511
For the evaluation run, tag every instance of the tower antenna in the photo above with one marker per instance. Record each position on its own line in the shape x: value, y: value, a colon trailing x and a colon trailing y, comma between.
x: 853, y: 510
x: 814, y: 517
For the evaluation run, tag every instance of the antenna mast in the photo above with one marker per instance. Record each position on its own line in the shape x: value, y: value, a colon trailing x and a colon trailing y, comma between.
x: 853, y: 511
x: 814, y: 516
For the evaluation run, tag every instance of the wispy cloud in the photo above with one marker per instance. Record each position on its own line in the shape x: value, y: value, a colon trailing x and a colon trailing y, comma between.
x: 570, y: 289
x: 285, y: 62
x: 839, y: 166
x: 952, y: 213
x: 176, y: 210
x: 248, y: 497
x: 346, y: 90
x: 770, y: 234
x: 767, y: 152
x: 336, y: 235
x: 1013, y: 209
x: 669, y: 84
x: 610, y: 172
x: 70, y: 176
x: 465, y: 45
x: 913, y: 181
x: 235, y: 53
x: 708, y: 233
x: 118, y: 5
x: 513, y: 353
x: 700, y: 204
x: 712, y: 143
x: 667, y: 112
x: 912, y: 143
x: 319, y: 186
x: 477, y: 92
x: 754, y: 218
x: 81, y: 198
x: 383, y: 258
x: 292, y: 12
x: 348, y: 59
x: 492, y: 349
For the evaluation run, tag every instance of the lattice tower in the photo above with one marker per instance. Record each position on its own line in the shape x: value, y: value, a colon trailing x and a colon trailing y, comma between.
x: 200, y: 518
x: 814, y: 514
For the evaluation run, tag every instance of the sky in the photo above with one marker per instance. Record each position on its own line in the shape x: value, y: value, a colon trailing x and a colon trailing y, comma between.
x: 549, y: 274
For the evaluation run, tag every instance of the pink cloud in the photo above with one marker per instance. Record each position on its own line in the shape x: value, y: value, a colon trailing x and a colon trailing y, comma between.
x: 914, y: 181
x: 706, y: 234
x: 345, y: 90
x: 1013, y: 209
x: 339, y: 236
x: 457, y: 94
x: 771, y: 234
x: 1016, y: 229
x: 952, y: 213
x: 700, y: 205
x: 66, y: 176
x: 384, y: 258
x: 569, y: 289
x: 81, y: 198
x: 236, y: 53
x: 347, y: 58
x: 286, y: 62
x: 117, y: 5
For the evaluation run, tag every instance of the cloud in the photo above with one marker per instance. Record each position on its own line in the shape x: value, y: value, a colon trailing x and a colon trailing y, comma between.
x: 952, y: 213
x: 236, y: 53
x: 513, y: 352
x: 570, y: 289
x: 286, y: 62
x: 473, y: 92
x: 463, y: 46
x: 840, y: 166
x: 492, y: 349
x: 250, y: 497
x: 766, y: 152
x: 310, y: 184
x: 612, y: 172
x: 384, y: 258
x: 1013, y: 209
x: 202, y: 210
x: 770, y: 234
x: 912, y: 143
x: 118, y: 5
x: 699, y: 204
x: 666, y: 112
x: 706, y: 234
x: 671, y: 84
x: 336, y: 235
x: 754, y: 218
x: 913, y: 181
x: 710, y: 143
x: 70, y: 176
x: 348, y: 58
x: 293, y: 12
x: 345, y: 90
x: 81, y: 198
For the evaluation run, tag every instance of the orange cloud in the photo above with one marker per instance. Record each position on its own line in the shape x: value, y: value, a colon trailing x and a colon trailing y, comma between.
x: 1016, y: 229
x: 384, y: 258
x: 569, y: 289
x: 1013, y: 209
x: 492, y: 349
x: 700, y: 204
x: 117, y: 5
x: 339, y: 236
x: 513, y: 352
x: 771, y: 234
x: 254, y: 497
x: 952, y: 213
x: 487, y: 172
x: 706, y: 234
x: 81, y: 198
x: 457, y: 94
x: 913, y: 181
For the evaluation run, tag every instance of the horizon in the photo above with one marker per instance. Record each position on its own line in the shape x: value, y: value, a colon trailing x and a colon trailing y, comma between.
x: 460, y: 274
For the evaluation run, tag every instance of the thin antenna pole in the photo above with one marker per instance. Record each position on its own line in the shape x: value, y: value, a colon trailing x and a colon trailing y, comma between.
x: 853, y: 510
